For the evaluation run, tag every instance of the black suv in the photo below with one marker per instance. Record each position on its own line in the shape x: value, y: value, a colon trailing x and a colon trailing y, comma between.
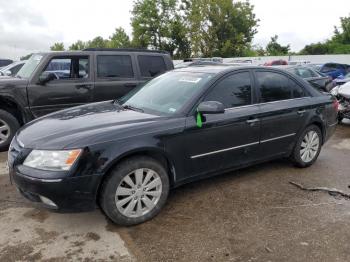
x: 185, y: 125
x: 57, y: 80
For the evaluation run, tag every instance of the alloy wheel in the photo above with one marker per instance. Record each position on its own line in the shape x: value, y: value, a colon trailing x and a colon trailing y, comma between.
x: 309, y: 146
x: 4, y: 132
x: 138, y: 192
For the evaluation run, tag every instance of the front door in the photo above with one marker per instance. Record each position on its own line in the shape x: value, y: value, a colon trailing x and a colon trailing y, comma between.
x: 229, y: 139
x: 283, y: 111
x: 72, y: 86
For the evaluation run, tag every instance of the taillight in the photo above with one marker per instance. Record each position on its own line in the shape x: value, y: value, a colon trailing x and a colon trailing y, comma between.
x: 336, y: 104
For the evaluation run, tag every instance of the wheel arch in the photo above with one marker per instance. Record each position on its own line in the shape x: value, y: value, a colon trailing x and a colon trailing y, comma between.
x: 155, y: 153
x: 10, y: 106
x: 320, y: 125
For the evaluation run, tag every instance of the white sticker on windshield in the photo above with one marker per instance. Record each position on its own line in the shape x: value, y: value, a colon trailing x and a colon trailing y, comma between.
x: 194, y: 80
x: 172, y: 109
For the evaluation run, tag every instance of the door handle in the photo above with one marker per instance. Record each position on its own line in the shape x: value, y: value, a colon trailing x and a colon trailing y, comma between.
x: 85, y: 86
x: 301, y: 111
x: 252, y: 121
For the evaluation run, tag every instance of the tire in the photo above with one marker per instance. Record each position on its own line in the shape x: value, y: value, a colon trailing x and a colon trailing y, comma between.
x: 300, y: 156
x: 8, y: 127
x: 132, y: 208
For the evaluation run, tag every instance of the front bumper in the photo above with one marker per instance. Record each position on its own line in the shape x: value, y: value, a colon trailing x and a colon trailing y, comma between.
x: 70, y: 194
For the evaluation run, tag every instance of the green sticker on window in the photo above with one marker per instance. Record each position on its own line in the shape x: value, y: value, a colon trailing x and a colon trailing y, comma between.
x: 199, y: 120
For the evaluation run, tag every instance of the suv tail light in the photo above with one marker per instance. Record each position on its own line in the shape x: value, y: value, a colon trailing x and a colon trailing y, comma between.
x: 336, y: 105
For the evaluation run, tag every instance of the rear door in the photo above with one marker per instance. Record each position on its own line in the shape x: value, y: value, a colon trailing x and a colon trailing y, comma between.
x: 284, y: 105
x: 115, y: 74
x: 228, y: 139
x: 72, y: 87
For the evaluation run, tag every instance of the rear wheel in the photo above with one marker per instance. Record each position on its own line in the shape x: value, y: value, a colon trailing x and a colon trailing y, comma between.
x: 308, y: 147
x: 8, y: 128
x: 135, y: 191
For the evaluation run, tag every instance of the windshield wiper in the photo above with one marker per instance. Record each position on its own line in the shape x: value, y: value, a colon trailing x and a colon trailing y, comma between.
x: 133, y: 108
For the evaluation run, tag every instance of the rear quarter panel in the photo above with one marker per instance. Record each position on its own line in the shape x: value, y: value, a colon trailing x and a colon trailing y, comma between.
x: 325, y: 114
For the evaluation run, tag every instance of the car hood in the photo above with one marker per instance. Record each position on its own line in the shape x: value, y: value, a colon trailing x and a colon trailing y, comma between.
x: 9, y: 81
x: 84, y: 125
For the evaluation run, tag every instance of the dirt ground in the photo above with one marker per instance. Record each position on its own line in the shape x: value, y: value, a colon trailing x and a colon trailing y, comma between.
x: 253, y: 214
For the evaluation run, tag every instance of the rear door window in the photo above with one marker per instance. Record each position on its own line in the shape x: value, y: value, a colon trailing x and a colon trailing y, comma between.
x: 234, y: 90
x: 110, y: 66
x: 275, y: 87
x: 151, y: 66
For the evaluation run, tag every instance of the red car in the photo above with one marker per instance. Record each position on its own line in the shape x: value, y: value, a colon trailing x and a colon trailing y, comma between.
x: 276, y: 62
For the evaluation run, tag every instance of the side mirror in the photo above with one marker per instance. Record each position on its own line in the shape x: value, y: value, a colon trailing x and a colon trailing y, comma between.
x: 211, y: 107
x: 46, y: 77
x: 7, y: 73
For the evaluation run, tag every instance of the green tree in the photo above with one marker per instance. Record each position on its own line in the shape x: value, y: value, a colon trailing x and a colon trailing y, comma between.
x: 119, y: 39
x: 26, y: 57
x: 342, y: 34
x: 220, y: 28
x: 57, y: 47
x: 253, y: 50
x: 159, y: 24
x: 78, y: 45
x: 315, y: 49
x: 150, y: 22
x: 97, y: 42
x: 273, y: 48
x: 338, y: 44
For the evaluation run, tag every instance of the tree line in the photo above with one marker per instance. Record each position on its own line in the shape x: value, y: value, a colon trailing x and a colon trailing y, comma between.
x: 204, y: 28
x: 339, y: 43
x: 184, y: 28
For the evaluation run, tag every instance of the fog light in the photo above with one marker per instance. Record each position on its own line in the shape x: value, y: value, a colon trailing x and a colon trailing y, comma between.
x: 47, y: 201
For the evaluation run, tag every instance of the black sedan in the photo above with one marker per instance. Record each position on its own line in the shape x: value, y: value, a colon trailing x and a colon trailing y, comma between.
x: 318, y: 80
x: 182, y: 126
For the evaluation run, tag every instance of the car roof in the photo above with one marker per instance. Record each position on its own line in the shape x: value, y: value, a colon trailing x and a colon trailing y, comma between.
x: 106, y: 50
x: 219, y: 68
x: 286, y: 67
x: 126, y: 50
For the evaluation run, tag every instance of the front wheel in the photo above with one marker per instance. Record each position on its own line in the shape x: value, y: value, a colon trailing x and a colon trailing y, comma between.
x: 307, y: 147
x: 8, y: 128
x: 135, y: 191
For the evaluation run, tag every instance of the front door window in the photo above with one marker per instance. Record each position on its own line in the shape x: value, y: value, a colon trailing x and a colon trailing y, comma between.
x: 68, y: 68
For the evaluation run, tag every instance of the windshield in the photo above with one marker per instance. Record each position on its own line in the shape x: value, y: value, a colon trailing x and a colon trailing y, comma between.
x: 168, y: 93
x: 29, y: 67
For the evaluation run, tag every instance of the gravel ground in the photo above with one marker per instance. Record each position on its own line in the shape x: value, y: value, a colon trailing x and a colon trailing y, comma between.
x: 253, y: 214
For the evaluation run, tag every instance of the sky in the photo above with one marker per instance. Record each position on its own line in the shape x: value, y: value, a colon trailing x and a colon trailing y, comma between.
x: 28, y: 26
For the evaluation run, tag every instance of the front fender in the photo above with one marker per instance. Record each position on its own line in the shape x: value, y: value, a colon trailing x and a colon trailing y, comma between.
x: 108, y: 154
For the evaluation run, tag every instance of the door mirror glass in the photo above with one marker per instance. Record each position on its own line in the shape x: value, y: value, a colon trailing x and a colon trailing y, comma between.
x: 211, y: 107
x: 7, y: 73
x: 46, y: 77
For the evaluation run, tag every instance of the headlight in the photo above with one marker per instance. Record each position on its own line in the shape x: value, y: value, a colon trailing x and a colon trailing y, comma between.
x: 61, y: 160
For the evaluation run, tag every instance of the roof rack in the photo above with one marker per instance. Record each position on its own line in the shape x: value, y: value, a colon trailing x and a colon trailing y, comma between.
x: 126, y: 50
